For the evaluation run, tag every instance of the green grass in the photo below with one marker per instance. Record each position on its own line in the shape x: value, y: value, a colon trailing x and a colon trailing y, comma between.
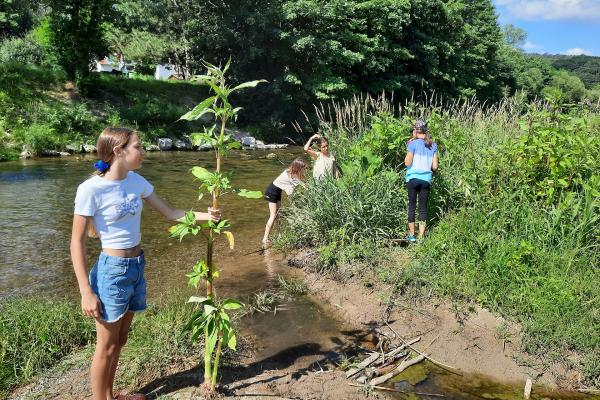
x: 35, y: 334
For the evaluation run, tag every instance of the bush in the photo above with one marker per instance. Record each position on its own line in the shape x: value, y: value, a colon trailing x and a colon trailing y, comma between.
x: 35, y: 334
x: 73, y: 122
x: 39, y: 137
x: 21, y: 50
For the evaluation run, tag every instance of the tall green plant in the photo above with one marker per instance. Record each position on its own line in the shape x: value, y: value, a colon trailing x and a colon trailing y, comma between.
x: 212, y: 318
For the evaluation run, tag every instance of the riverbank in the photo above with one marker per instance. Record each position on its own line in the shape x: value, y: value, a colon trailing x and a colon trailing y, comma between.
x: 163, y: 364
x: 466, y: 337
x: 44, y: 114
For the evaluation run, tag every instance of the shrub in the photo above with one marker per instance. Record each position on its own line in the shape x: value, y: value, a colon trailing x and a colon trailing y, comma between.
x: 39, y: 137
x: 21, y: 50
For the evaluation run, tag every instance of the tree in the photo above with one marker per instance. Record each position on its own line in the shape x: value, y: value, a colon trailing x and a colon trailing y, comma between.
x: 570, y: 86
x: 477, y: 50
x: 513, y: 36
x: 78, y: 29
x: 18, y: 16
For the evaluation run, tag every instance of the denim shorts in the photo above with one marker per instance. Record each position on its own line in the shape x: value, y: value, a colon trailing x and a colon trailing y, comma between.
x: 119, y: 284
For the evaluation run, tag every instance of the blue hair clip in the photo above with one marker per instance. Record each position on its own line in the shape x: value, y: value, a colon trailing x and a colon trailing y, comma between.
x: 101, y: 166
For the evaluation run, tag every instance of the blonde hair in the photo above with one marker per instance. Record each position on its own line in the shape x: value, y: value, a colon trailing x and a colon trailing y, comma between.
x: 110, y: 138
x: 297, y: 168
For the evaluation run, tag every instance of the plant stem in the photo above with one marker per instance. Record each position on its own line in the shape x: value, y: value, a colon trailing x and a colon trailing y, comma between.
x: 209, y: 263
x: 207, y: 358
x: 216, y: 365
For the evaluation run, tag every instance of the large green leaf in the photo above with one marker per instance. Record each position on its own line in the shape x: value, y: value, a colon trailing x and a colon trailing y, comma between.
x: 198, y: 111
x: 232, y: 341
x: 250, y: 194
x: 249, y: 84
x: 198, y: 299
x: 201, y: 173
x: 232, y: 304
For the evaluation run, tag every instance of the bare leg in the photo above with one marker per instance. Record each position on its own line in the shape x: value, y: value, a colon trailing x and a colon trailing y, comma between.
x: 107, y: 343
x: 421, y: 229
x: 411, y: 228
x: 273, y: 208
x: 123, y: 333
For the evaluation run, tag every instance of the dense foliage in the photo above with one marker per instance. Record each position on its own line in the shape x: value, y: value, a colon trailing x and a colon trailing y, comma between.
x: 514, y: 213
x: 309, y: 51
x: 585, y: 67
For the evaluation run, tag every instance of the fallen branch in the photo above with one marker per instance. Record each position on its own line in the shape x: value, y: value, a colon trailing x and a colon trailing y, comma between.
x: 398, y: 390
x: 364, y: 364
x: 444, y: 366
x: 388, y: 365
x: 403, y: 365
x: 375, y: 356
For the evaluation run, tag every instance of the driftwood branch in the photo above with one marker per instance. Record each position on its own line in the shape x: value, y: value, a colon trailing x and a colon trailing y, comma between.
x: 444, y: 366
x: 375, y: 356
x: 364, y: 364
x: 403, y: 365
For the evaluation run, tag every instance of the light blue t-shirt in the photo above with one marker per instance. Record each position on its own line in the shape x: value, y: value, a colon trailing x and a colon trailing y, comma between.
x: 422, y: 160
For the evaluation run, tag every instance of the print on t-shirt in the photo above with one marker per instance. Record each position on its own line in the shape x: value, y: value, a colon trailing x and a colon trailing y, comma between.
x: 129, y: 206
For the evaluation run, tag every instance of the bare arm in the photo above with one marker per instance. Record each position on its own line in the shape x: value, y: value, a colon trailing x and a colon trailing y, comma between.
x: 174, y: 214
x: 90, y: 305
x: 408, y: 159
x: 435, y: 164
x: 313, y: 154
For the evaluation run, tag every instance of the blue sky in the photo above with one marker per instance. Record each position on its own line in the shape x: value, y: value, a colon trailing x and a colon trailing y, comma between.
x: 554, y: 26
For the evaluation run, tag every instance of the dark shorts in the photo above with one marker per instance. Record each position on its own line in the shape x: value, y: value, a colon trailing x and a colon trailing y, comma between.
x: 273, y: 194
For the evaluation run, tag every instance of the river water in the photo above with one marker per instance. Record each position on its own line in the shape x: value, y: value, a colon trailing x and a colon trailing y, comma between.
x: 36, y: 207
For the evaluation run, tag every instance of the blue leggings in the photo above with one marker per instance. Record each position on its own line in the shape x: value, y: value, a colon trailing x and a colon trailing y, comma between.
x: 420, y: 188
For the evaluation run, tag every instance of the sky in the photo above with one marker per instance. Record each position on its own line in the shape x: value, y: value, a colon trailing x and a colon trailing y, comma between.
x: 554, y: 26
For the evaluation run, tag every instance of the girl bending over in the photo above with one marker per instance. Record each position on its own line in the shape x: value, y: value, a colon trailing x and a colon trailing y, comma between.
x: 286, y: 181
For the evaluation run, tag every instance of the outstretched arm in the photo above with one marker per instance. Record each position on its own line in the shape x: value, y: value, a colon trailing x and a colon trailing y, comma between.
x: 307, y: 148
x: 174, y: 214
x: 90, y: 305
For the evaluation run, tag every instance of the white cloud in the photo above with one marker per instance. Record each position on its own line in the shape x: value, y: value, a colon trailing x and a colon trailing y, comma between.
x: 577, y: 52
x: 531, y: 46
x: 553, y: 9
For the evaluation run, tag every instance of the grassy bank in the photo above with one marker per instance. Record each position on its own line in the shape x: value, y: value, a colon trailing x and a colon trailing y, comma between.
x: 514, y: 214
x: 36, y: 336
x: 40, y: 110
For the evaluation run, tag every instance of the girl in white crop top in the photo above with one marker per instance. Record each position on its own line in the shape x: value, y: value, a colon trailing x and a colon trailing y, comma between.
x: 324, y: 161
x: 287, y: 182
x: 110, y: 203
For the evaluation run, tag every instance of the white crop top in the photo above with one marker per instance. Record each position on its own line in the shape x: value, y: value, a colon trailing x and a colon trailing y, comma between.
x: 116, y: 206
x: 285, y: 182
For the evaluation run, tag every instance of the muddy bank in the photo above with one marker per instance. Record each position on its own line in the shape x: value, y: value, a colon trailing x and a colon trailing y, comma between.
x: 470, y: 339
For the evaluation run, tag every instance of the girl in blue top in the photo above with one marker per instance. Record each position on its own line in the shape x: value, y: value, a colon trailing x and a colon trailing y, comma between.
x: 421, y: 162
x: 110, y: 204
